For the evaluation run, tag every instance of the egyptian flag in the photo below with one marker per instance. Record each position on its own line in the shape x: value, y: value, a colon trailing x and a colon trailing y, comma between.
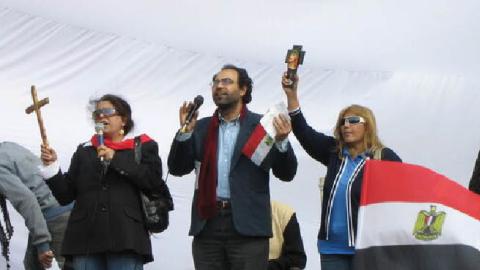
x: 258, y: 145
x: 413, y: 218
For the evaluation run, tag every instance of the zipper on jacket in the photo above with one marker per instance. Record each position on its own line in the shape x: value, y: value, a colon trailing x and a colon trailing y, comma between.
x: 332, y: 195
x: 351, y: 229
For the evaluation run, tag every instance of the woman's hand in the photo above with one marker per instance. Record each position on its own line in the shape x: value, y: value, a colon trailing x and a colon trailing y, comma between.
x: 48, y: 155
x: 282, y: 126
x: 105, y: 152
x: 290, y: 90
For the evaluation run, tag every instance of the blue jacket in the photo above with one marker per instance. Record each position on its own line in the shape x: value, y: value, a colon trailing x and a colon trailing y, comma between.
x: 249, y: 183
x: 323, y: 148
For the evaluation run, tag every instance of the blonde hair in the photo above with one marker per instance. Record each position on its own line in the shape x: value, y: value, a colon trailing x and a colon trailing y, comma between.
x: 371, y: 142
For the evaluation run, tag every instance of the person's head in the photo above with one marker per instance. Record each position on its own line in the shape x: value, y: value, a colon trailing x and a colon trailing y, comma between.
x: 115, y: 113
x: 230, y: 86
x: 356, y: 128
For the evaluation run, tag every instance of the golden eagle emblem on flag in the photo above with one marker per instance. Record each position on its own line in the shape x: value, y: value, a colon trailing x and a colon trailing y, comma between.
x: 429, y: 224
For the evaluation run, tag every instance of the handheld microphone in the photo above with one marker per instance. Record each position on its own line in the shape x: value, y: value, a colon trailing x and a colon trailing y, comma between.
x: 197, y: 102
x: 99, y: 130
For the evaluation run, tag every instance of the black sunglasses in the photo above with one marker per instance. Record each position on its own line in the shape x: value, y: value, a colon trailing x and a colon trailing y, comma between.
x: 106, y: 112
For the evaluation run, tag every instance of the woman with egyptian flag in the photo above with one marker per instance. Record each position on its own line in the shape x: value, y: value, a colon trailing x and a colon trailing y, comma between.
x: 355, y: 140
x: 106, y: 229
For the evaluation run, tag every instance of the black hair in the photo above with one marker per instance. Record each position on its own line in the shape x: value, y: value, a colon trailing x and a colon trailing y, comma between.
x: 5, y: 233
x: 243, y: 81
x: 121, y: 106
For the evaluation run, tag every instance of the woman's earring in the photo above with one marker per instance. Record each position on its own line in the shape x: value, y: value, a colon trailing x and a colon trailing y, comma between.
x: 121, y: 132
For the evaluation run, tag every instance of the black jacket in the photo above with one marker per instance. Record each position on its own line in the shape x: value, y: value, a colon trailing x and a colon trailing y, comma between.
x: 474, y: 184
x: 107, y: 216
x: 323, y: 148
x: 293, y: 253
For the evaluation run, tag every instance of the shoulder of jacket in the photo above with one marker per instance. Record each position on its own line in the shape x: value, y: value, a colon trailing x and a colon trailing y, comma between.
x: 150, y: 146
x: 85, y: 144
x: 204, y: 121
x: 255, y: 115
x: 252, y: 118
x: 389, y: 154
x: 15, y: 151
x: 13, y: 146
x: 386, y: 151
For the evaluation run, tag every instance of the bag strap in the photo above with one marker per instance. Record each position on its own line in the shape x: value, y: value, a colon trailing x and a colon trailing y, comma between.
x: 138, y: 149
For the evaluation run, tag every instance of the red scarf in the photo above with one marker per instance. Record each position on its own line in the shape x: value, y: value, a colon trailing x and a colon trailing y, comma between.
x: 125, y: 144
x: 207, y: 182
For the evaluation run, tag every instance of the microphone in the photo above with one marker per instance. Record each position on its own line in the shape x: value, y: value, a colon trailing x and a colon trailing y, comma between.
x: 197, y: 102
x: 99, y: 130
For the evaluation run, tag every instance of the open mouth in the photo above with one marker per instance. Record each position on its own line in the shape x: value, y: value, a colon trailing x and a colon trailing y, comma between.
x: 220, y: 94
x: 105, y: 123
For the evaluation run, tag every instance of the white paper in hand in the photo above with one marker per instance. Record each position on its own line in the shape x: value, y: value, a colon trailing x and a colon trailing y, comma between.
x: 267, y: 119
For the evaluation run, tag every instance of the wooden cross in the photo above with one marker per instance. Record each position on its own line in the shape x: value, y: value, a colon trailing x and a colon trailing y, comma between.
x: 36, y: 108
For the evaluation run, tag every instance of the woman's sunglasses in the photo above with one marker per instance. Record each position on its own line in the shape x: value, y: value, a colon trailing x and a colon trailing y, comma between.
x: 352, y: 120
x: 107, y: 112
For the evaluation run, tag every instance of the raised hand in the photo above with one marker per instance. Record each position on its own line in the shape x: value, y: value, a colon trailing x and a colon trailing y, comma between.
x: 105, y: 152
x: 282, y: 126
x: 48, y: 154
x: 291, y: 91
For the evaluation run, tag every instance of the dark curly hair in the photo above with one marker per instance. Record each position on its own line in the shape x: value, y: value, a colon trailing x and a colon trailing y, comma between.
x: 121, y: 106
x: 243, y: 81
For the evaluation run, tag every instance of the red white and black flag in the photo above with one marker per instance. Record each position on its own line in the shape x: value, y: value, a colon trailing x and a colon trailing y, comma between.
x: 258, y: 145
x: 262, y: 139
x: 411, y: 218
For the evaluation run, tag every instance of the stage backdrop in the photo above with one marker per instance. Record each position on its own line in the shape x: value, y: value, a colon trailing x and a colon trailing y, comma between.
x: 427, y: 117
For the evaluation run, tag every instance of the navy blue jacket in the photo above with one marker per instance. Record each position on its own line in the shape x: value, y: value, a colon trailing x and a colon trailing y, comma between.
x: 323, y: 148
x: 249, y: 183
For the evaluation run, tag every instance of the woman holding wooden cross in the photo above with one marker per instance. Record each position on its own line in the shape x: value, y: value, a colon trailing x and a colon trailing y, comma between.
x: 106, y: 229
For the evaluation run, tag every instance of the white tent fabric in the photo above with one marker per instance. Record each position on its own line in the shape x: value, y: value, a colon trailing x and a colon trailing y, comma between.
x: 427, y: 116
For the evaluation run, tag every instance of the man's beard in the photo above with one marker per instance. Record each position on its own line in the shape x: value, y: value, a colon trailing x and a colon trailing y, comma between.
x: 227, y: 104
